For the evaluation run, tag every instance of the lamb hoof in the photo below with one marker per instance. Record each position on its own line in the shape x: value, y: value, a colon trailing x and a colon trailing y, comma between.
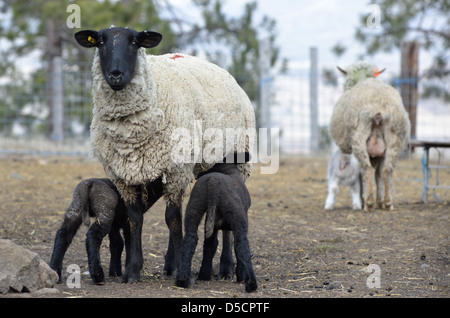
x: 130, y: 278
x: 184, y: 283
x: 202, y: 276
x: 251, y: 287
x: 98, y: 277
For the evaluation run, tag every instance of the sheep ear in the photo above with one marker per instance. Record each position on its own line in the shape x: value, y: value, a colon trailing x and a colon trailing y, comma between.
x: 377, y: 72
x: 148, y: 39
x: 342, y: 71
x: 87, y: 38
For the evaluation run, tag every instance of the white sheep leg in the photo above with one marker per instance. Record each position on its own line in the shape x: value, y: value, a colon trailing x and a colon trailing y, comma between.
x: 355, y: 191
x: 333, y: 189
x: 379, y: 180
x: 387, y: 173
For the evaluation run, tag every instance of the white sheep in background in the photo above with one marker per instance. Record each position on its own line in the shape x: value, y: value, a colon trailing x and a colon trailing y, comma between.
x: 140, y: 102
x: 343, y: 169
x: 369, y: 119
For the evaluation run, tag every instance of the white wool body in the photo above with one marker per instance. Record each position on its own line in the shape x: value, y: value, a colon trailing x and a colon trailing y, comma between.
x: 131, y: 132
x: 353, y: 114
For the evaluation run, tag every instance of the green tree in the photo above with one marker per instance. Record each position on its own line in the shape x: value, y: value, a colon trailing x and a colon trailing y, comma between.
x: 26, y: 26
x: 426, y: 21
x: 233, y: 42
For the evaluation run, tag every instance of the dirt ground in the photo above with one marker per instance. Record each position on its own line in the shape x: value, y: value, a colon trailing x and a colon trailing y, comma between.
x: 299, y: 249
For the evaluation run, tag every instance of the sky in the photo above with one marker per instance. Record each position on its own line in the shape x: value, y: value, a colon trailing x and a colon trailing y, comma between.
x: 303, y: 24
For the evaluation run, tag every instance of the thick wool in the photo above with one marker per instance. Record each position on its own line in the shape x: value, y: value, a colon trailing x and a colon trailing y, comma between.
x: 366, y: 99
x: 353, y: 114
x: 131, y: 132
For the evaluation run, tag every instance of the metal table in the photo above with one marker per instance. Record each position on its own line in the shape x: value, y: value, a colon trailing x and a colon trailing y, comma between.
x: 426, y: 165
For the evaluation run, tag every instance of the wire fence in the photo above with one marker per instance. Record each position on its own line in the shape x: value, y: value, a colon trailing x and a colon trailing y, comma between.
x: 26, y: 119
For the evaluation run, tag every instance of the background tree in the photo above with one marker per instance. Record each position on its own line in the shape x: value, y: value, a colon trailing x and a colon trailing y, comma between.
x: 426, y: 21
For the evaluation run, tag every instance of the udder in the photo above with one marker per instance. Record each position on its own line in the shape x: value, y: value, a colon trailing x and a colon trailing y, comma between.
x: 376, y: 146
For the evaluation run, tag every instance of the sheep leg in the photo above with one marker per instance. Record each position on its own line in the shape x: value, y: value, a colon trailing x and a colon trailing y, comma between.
x: 368, y: 174
x: 226, y: 259
x: 209, y: 250
x: 135, y: 258
x: 380, y: 183
x: 94, y: 238
x: 244, y: 269
x: 63, y: 239
x: 333, y: 190
x: 115, y: 247
x: 173, y: 221
x: 355, y: 190
x: 387, y: 172
x: 184, y: 277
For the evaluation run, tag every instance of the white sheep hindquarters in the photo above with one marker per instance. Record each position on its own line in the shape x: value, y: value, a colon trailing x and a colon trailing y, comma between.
x: 132, y: 131
x: 351, y: 128
x: 343, y: 170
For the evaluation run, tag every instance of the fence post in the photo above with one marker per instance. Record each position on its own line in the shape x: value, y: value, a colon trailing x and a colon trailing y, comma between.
x: 409, y: 80
x: 57, y: 119
x: 265, y: 84
x: 313, y: 101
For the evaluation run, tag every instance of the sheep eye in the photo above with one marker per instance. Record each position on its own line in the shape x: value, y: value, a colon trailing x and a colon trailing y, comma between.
x: 101, y: 42
x: 134, y: 42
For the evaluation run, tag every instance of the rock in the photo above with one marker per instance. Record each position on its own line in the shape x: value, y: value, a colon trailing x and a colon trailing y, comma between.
x: 22, y: 270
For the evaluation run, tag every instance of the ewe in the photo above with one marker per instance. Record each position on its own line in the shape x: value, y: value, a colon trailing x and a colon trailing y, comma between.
x: 369, y: 119
x: 139, y: 102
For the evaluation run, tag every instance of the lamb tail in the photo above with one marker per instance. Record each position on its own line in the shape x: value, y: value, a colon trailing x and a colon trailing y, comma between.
x: 211, y: 210
x: 210, y: 221
x: 80, y: 203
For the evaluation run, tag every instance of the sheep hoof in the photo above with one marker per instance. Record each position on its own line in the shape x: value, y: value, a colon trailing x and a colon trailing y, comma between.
x: 184, y: 283
x: 130, y: 279
x: 251, y: 286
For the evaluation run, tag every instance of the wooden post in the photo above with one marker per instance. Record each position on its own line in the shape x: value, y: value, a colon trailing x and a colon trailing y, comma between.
x: 409, y: 80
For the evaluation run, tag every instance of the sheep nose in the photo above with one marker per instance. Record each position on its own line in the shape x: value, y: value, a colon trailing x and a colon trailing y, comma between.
x: 116, y: 76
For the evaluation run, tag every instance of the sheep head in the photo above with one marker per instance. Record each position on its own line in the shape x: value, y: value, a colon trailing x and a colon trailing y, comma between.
x: 359, y: 71
x: 118, y: 48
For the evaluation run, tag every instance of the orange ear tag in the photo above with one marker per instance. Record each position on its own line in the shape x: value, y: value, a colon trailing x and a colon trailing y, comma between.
x: 377, y: 72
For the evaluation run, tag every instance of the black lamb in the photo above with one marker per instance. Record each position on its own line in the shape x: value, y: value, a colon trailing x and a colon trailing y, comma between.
x: 98, y: 198
x: 222, y: 194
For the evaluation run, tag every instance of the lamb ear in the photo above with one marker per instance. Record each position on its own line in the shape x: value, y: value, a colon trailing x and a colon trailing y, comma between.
x: 87, y: 38
x: 342, y: 71
x: 148, y: 39
x: 377, y: 72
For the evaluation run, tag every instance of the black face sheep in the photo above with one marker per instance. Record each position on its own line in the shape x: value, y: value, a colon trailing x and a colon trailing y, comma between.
x: 141, y: 103
x: 98, y: 198
x: 343, y: 169
x: 222, y: 195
